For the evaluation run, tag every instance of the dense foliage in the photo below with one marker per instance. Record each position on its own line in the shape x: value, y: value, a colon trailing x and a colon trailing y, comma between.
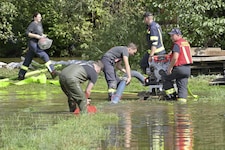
x: 88, y: 28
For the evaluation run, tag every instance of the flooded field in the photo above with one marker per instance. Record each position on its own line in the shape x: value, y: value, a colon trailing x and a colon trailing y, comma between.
x: 169, y: 126
x: 145, y: 125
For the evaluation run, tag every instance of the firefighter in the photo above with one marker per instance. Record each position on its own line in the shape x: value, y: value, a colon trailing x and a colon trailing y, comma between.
x: 35, y: 33
x: 179, y: 68
x: 112, y: 58
x: 70, y: 80
x: 154, y: 40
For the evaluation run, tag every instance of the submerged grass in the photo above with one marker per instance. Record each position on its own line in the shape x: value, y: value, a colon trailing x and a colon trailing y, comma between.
x: 30, y: 131
x: 66, y: 131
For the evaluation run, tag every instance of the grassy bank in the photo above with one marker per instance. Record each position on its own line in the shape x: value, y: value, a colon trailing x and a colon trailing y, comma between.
x: 66, y: 131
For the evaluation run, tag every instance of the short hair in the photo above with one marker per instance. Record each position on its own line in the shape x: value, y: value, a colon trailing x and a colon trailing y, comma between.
x: 147, y: 14
x: 35, y: 14
x: 99, y: 64
x: 132, y: 46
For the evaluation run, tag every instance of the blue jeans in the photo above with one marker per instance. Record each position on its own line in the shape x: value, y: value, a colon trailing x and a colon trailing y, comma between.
x: 34, y: 50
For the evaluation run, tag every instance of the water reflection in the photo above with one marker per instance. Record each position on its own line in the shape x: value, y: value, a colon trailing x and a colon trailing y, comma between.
x: 151, y: 126
x: 127, y: 130
x: 184, y: 129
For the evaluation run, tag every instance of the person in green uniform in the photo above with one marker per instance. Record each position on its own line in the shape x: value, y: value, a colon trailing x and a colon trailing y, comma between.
x: 73, y: 76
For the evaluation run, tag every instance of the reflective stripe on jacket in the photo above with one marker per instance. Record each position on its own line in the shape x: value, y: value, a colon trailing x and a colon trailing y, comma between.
x: 185, y: 53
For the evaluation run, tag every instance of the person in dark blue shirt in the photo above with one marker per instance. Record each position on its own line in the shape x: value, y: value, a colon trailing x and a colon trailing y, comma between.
x: 154, y: 40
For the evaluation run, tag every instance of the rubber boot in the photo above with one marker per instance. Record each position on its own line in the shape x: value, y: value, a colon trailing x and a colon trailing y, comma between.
x: 22, y: 72
x: 171, y: 97
x: 72, y: 105
x: 110, y: 96
x: 51, y: 69
x: 21, y: 77
x: 111, y: 92
x: 54, y: 74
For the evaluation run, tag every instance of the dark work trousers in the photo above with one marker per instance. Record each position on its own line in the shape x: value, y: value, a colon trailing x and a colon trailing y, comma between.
x: 34, y: 50
x: 144, y: 61
x: 110, y: 74
x: 180, y: 74
x: 74, y: 93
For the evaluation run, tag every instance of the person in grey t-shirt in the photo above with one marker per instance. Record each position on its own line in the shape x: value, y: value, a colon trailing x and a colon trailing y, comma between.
x: 114, y: 57
x: 35, y: 32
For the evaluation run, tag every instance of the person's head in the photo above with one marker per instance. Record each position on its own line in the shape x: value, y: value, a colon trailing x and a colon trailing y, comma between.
x: 37, y: 17
x: 132, y: 48
x: 175, y: 34
x: 148, y: 18
x: 98, y: 65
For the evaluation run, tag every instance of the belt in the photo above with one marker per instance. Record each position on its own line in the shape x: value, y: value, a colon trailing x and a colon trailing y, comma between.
x: 183, y: 65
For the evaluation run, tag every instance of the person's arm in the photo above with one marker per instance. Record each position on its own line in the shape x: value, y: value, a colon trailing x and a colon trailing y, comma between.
x: 36, y: 36
x: 154, y: 38
x: 127, y: 67
x: 170, y: 53
x: 153, y: 49
x: 88, y: 89
x: 172, y: 62
x: 120, y: 67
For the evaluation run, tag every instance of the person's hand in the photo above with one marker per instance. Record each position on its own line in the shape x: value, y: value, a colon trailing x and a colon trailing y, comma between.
x: 150, y: 58
x: 44, y: 35
x: 169, y: 71
x: 123, y: 70
x: 88, y: 101
x: 39, y: 36
x: 128, y: 80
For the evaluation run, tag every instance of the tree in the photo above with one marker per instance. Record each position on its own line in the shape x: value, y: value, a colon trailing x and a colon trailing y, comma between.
x: 202, y: 22
x: 89, y: 28
x: 8, y: 14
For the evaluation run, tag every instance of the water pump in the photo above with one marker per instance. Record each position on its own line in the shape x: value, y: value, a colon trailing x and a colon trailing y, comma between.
x: 157, y: 68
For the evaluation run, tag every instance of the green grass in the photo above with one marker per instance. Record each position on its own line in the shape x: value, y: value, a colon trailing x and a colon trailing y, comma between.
x: 65, y: 132
x: 200, y: 86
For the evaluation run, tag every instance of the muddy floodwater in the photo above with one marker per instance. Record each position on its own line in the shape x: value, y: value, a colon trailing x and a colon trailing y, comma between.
x: 143, y: 125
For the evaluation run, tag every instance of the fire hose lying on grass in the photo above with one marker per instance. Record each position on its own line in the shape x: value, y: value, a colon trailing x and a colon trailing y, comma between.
x: 157, y: 68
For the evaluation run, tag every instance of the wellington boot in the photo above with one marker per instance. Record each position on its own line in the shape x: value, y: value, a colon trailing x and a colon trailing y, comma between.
x: 54, y: 74
x: 20, y: 77
x: 72, y: 105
